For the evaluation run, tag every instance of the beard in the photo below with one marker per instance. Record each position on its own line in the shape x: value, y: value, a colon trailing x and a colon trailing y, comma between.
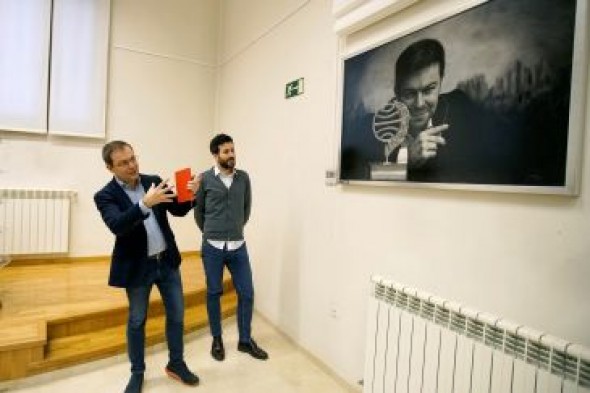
x: 230, y: 163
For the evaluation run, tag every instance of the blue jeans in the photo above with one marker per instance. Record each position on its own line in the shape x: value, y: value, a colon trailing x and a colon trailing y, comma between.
x: 169, y: 283
x: 238, y: 264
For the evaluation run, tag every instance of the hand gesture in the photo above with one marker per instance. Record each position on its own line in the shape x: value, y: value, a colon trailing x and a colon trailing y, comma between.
x: 194, y: 183
x: 425, y: 145
x: 162, y: 193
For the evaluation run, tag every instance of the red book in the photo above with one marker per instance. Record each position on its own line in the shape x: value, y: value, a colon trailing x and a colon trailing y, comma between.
x: 182, y: 177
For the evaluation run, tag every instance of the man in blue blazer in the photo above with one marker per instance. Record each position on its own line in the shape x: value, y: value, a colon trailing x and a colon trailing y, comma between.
x: 134, y: 207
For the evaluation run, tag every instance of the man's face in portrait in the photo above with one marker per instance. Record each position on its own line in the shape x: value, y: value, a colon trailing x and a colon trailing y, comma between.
x: 420, y: 91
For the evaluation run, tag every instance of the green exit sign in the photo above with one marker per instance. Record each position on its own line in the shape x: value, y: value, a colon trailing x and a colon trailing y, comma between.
x: 294, y: 88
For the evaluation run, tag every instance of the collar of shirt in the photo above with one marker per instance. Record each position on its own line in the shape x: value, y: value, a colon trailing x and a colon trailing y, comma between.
x: 227, y: 180
x: 218, y: 172
x: 126, y: 185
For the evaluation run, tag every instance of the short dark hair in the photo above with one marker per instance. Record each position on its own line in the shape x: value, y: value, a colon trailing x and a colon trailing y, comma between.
x: 418, y: 56
x: 217, y: 141
x: 110, y: 147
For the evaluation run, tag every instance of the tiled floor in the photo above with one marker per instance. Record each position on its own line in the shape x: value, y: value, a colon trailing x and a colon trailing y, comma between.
x: 288, y: 370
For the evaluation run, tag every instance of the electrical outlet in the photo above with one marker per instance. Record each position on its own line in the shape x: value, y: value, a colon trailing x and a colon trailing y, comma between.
x: 331, y: 177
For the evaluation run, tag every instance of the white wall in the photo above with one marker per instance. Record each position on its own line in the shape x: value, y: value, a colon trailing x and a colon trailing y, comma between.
x: 161, y: 99
x: 314, y: 247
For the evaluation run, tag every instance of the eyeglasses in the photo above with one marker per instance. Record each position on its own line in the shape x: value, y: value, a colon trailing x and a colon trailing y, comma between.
x: 126, y: 163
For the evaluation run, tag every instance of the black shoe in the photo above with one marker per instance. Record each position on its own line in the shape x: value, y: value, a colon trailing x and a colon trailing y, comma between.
x: 217, y: 350
x: 180, y: 372
x: 135, y: 383
x: 253, y: 349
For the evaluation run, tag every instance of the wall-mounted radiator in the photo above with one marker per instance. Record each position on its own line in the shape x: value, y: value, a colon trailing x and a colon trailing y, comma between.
x: 419, y: 343
x: 34, y: 221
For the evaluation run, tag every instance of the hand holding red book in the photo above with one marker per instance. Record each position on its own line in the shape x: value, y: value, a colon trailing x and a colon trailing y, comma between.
x: 182, y: 177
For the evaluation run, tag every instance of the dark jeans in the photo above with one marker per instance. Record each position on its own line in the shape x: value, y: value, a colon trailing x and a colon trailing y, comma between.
x: 238, y: 264
x: 169, y: 283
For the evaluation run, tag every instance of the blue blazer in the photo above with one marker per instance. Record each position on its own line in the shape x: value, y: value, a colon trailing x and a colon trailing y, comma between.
x: 129, y: 260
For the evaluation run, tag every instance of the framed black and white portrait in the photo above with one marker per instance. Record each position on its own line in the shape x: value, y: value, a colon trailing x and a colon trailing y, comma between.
x: 490, y: 98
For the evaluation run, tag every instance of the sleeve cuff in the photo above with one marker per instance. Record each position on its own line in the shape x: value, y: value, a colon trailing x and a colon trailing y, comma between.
x: 144, y: 210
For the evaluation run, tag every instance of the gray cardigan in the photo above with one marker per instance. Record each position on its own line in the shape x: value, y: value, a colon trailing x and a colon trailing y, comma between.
x: 221, y: 213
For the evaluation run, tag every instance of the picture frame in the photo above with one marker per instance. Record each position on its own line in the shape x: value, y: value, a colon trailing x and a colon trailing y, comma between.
x: 509, y: 104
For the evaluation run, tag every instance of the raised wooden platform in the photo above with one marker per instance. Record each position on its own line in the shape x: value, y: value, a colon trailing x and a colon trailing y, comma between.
x: 62, y: 312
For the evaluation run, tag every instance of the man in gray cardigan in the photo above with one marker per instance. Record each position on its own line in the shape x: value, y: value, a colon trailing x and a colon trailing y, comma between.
x: 222, y: 209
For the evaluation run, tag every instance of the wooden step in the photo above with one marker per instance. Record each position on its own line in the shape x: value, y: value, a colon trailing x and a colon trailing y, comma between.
x: 79, y: 348
x: 60, y: 314
x: 21, y: 342
x: 78, y: 323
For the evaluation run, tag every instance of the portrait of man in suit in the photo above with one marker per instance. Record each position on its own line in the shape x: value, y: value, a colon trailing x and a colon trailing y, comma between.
x: 488, y: 95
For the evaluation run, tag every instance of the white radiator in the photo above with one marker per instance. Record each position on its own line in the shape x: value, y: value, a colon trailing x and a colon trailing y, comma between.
x: 34, y: 221
x: 419, y: 343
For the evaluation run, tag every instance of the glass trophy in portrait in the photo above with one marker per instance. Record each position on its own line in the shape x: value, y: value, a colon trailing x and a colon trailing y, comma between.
x: 390, y: 127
